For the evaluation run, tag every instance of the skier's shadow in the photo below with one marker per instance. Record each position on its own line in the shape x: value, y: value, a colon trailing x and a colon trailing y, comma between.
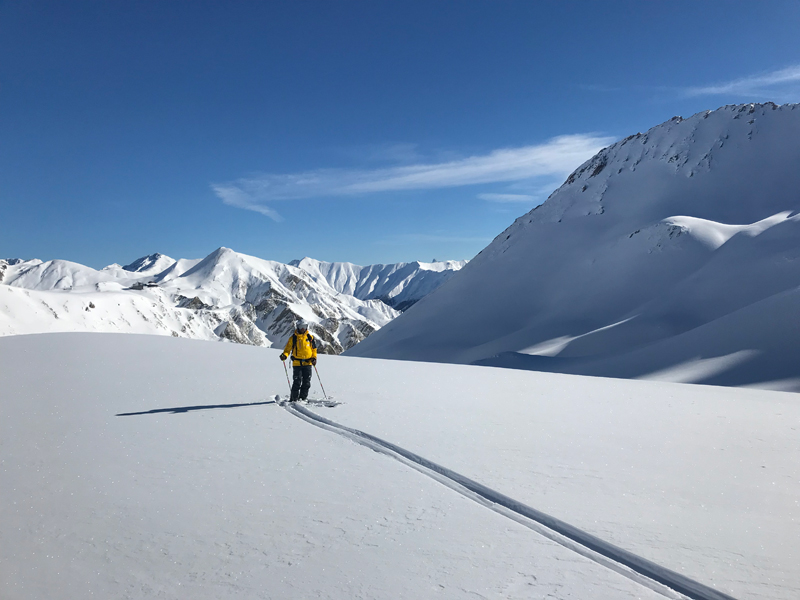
x: 184, y: 409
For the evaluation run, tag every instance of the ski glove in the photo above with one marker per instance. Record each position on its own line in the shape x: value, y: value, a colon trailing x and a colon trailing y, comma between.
x: 283, y: 357
x: 314, y: 361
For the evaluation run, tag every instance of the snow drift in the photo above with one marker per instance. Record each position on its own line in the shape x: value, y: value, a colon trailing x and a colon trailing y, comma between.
x: 664, y: 251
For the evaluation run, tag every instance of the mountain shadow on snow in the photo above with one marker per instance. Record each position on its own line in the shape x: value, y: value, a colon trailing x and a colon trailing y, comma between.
x: 673, y: 253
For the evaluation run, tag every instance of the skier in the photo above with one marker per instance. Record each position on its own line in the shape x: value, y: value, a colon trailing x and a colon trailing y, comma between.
x: 303, y: 350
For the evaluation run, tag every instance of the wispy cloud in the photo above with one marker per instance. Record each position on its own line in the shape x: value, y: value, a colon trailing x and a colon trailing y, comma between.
x: 559, y: 156
x: 507, y: 197
x: 764, y: 83
x: 233, y: 195
x: 528, y: 192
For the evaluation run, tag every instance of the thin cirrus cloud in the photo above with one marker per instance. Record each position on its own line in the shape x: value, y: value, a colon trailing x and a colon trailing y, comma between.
x: 556, y: 157
x: 772, y: 82
x: 506, y: 197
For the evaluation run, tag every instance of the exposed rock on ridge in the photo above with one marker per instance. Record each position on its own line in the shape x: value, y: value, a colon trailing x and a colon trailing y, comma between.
x: 226, y: 296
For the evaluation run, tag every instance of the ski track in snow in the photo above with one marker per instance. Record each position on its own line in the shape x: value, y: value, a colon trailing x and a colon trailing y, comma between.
x: 640, y: 570
x: 199, y: 501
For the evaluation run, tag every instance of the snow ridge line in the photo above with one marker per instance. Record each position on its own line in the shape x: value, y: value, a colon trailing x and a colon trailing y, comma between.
x: 642, y: 571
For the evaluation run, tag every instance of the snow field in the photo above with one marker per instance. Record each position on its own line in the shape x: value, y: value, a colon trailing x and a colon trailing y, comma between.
x: 244, y: 501
x: 701, y: 480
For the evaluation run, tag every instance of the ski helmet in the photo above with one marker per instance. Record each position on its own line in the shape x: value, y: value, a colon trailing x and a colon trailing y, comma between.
x: 301, y: 325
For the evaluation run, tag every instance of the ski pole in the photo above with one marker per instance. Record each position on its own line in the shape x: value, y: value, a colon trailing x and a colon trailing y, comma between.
x: 320, y: 383
x: 287, y: 376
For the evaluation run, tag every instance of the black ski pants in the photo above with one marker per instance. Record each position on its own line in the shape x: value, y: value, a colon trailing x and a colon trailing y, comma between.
x: 301, y: 376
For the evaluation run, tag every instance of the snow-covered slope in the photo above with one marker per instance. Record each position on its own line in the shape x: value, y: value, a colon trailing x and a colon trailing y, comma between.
x: 151, y: 264
x: 56, y: 275
x: 226, y: 295
x: 670, y: 247
x: 149, y: 467
x: 399, y: 285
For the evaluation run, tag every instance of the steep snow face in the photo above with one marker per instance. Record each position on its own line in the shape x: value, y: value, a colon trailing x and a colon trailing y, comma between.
x: 10, y: 266
x: 226, y: 295
x: 645, y: 247
x: 178, y: 268
x: 399, y: 285
x: 151, y: 264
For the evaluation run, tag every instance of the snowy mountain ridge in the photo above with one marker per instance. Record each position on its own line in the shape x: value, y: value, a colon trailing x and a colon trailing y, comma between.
x: 666, y: 250
x: 153, y: 263
x: 226, y: 295
x: 399, y: 285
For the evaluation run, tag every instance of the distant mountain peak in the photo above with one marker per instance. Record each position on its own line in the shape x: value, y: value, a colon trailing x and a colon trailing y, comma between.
x: 400, y: 285
x: 152, y: 263
x: 225, y: 295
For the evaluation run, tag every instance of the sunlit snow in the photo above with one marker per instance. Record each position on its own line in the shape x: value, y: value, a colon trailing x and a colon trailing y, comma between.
x: 661, y: 256
x: 144, y: 466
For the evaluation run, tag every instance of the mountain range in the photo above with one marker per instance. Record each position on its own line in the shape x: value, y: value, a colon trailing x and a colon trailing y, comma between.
x: 673, y: 254
x: 400, y: 285
x: 224, y: 296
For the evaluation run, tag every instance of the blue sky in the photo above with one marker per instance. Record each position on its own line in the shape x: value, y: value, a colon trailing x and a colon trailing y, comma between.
x: 346, y: 131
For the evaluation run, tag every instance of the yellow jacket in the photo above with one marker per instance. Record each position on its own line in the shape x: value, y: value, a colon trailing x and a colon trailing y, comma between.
x: 302, y: 348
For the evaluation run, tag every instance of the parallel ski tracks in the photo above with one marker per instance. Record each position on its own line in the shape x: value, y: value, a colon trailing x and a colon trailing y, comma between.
x: 647, y: 573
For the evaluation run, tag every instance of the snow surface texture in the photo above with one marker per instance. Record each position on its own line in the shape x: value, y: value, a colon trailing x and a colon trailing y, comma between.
x: 226, y: 295
x: 667, y: 582
x: 673, y: 254
x: 206, y: 489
